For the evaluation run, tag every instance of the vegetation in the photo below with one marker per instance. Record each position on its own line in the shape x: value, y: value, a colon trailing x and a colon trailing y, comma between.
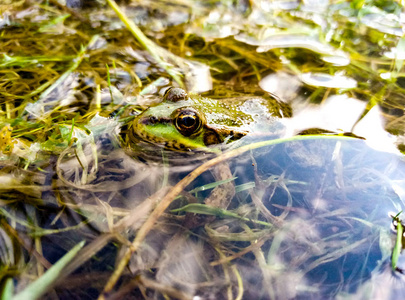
x: 73, y: 74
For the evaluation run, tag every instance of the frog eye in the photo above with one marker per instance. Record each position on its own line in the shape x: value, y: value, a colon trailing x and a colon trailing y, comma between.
x: 174, y: 94
x: 188, y: 122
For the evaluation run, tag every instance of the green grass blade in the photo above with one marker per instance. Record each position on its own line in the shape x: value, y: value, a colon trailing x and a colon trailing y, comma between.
x: 211, y: 185
x: 40, y: 286
x: 8, y: 290
x: 398, y: 246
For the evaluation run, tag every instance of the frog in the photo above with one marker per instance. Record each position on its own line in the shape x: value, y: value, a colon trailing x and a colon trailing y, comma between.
x: 193, y: 123
x: 188, y: 123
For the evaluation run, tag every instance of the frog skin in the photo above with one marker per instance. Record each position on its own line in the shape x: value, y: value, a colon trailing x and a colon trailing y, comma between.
x: 186, y: 123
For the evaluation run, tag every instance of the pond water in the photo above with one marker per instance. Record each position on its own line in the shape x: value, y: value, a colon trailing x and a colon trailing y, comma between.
x: 307, y: 205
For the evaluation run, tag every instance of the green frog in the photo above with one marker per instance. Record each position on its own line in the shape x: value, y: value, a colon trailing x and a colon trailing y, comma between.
x: 189, y: 123
x: 184, y: 123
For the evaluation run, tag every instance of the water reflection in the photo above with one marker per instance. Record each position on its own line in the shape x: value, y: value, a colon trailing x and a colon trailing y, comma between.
x: 330, y: 233
x: 330, y: 217
x: 336, y: 218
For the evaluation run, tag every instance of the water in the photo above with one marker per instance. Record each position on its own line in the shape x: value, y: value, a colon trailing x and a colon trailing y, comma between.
x: 311, y: 219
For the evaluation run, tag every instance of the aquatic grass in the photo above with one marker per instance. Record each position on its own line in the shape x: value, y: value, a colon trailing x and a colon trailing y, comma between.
x: 22, y: 62
x: 40, y: 286
x: 106, y: 208
x: 43, y: 98
x: 160, y: 55
x: 166, y: 201
x: 8, y: 290
x: 210, y: 186
x: 204, y: 209
x: 224, y: 237
x: 36, y: 231
x: 81, y: 182
x: 398, y: 243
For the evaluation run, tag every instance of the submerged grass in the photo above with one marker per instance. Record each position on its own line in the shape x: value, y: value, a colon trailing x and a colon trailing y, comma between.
x: 42, y: 285
x: 64, y: 176
x: 398, y: 244
x: 171, y: 195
